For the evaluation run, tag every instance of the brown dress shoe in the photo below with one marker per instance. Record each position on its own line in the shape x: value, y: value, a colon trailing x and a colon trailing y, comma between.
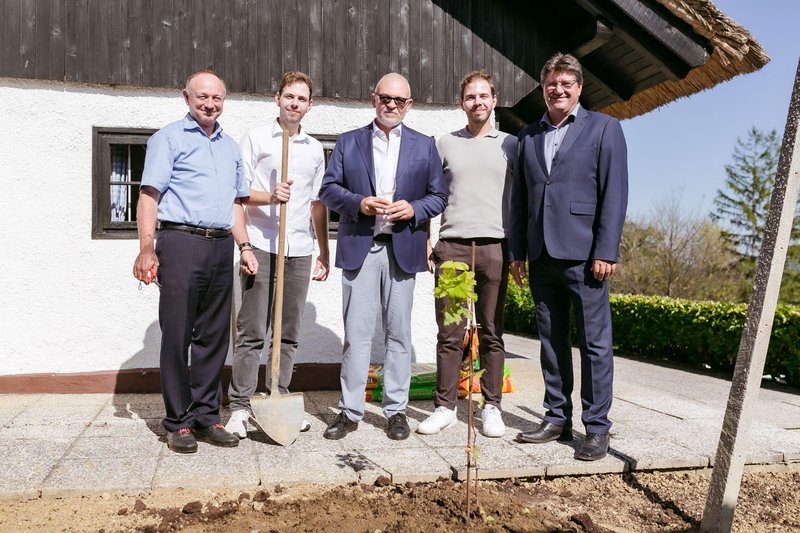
x: 217, y: 436
x: 181, y: 441
x: 546, y: 432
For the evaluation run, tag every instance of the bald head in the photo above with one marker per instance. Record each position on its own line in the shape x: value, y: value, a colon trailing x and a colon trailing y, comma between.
x: 394, y: 81
x: 391, y: 100
x: 205, y: 96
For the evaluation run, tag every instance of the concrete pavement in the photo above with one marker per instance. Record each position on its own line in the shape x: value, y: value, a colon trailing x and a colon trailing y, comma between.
x: 664, y: 418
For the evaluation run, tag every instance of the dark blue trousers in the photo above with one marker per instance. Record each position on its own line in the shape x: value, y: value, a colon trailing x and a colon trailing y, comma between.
x: 196, y: 277
x: 556, y: 285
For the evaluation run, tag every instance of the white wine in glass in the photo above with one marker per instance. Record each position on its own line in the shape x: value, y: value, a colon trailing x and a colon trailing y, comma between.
x: 389, y: 197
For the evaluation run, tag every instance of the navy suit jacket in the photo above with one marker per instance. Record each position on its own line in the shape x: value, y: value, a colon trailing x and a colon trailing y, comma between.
x: 350, y: 177
x: 576, y: 210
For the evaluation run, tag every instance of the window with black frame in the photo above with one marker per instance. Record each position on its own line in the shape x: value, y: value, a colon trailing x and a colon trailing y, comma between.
x: 328, y: 142
x: 118, y: 162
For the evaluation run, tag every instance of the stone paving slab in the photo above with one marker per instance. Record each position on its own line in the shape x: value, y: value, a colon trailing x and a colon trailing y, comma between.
x: 674, y: 405
x: 100, y: 474
x: 408, y: 464
x: 211, y: 465
x: 500, y: 461
x: 636, y: 447
x: 664, y: 418
x: 25, y: 464
x: 322, y: 402
x: 44, y: 430
x: 287, y: 467
x: 12, y: 406
x: 124, y: 427
x: 367, y: 471
x: 141, y: 445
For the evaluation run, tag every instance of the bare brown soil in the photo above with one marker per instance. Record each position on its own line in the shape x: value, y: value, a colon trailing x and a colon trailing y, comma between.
x: 641, y: 502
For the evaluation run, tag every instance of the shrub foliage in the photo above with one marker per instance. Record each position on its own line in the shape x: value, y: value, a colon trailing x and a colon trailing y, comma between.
x: 703, y: 334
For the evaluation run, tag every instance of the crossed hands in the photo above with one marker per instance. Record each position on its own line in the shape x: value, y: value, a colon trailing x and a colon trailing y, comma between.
x: 397, y: 210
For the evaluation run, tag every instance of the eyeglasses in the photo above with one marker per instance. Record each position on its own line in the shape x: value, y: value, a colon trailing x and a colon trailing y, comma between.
x: 565, y: 85
x: 399, y: 101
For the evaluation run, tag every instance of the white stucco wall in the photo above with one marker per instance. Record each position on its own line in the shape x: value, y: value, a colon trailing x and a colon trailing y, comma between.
x: 70, y: 303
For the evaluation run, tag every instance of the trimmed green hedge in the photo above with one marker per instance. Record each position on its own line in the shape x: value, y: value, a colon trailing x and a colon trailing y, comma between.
x: 702, y: 334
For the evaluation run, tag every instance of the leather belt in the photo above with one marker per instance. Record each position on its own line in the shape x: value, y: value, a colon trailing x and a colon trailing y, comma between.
x: 208, y: 233
x: 382, y: 237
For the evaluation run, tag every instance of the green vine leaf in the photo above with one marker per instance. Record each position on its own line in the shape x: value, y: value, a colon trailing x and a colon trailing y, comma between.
x: 456, y: 283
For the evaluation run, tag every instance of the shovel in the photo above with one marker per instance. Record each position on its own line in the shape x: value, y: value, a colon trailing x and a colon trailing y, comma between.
x: 279, y: 415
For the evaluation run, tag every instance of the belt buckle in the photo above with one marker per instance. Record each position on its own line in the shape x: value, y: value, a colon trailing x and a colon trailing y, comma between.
x: 208, y: 233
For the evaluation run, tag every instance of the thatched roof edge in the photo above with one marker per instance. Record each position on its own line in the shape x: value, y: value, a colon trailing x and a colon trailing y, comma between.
x: 734, y: 52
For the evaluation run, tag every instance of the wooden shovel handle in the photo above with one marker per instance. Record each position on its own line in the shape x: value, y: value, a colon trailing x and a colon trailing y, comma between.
x: 277, y: 306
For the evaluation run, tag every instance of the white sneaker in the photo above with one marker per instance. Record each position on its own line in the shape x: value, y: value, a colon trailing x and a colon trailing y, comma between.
x: 442, y: 418
x: 238, y: 423
x: 492, y: 422
x: 305, y: 425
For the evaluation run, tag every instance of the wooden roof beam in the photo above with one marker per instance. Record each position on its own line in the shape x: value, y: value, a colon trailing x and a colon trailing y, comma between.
x: 614, y: 89
x: 602, y: 35
x: 663, y: 42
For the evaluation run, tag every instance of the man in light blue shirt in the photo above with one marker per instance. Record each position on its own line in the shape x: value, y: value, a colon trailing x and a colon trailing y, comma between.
x: 192, y: 187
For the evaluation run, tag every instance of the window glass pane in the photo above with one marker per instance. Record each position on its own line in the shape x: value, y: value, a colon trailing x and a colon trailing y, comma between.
x: 118, y: 181
x: 127, y: 165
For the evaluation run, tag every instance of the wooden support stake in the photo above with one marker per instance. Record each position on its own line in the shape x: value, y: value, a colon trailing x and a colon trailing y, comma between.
x: 733, y: 441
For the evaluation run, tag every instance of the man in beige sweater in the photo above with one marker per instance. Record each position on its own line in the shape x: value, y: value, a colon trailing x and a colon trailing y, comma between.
x: 477, y: 163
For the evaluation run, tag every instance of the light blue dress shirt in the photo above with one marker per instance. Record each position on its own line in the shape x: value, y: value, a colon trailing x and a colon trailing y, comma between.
x: 198, y: 176
x: 554, y: 136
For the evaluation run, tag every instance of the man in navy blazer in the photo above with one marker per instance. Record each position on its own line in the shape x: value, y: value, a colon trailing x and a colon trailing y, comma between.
x: 568, y: 209
x: 385, y: 181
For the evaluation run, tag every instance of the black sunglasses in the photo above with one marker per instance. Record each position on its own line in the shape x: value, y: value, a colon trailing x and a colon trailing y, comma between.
x: 399, y: 101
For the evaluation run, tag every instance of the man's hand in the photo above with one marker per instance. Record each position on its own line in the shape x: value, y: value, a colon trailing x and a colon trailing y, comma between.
x: 321, y: 269
x: 518, y: 271
x: 602, y: 269
x: 282, y: 192
x: 372, y: 206
x: 248, y: 263
x: 145, y: 268
x: 431, y: 261
x: 399, y: 210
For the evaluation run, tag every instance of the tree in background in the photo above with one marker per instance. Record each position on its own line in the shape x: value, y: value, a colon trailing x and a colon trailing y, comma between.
x: 672, y: 252
x: 743, y: 204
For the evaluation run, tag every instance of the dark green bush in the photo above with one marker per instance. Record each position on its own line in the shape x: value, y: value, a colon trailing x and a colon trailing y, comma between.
x: 702, y: 334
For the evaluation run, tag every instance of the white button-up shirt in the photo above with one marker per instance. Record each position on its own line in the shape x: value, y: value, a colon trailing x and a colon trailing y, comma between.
x: 261, y: 149
x: 385, y: 154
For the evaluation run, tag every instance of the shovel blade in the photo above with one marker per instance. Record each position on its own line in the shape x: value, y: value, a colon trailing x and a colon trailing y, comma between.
x: 279, y: 415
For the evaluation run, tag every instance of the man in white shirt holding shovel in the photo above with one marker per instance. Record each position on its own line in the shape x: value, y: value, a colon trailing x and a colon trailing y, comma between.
x: 261, y: 154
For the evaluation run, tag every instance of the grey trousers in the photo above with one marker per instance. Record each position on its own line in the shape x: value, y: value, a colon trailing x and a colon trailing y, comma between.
x: 379, y: 286
x: 254, y: 320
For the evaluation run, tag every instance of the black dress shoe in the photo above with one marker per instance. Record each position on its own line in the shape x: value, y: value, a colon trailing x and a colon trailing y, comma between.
x: 546, y: 432
x: 181, y: 441
x: 340, y: 427
x: 593, y: 447
x: 217, y: 436
x: 398, y: 427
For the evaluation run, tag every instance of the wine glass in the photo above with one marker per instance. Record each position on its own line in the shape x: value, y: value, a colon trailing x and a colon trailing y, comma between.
x: 387, y: 195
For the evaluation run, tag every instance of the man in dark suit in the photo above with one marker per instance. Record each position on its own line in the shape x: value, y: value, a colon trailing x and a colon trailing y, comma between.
x: 385, y: 181
x: 568, y: 209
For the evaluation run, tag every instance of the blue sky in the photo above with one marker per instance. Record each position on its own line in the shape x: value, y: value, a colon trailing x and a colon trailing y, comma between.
x: 682, y: 148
